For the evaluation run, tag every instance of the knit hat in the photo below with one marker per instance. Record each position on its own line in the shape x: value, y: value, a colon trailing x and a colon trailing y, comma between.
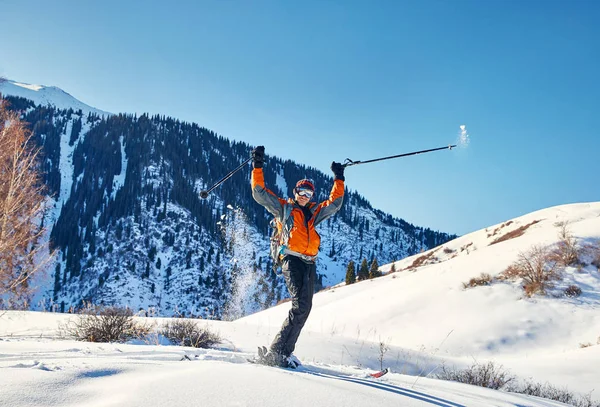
x: 305, y: 184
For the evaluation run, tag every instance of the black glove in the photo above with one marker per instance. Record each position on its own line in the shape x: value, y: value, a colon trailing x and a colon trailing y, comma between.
x: 338, y: 171
x: 258, y: 156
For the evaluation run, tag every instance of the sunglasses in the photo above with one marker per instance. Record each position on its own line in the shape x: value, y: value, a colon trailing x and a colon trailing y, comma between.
x: 305, y: 192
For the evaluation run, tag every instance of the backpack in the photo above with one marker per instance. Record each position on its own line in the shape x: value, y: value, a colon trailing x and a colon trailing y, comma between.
x: 280, y: 236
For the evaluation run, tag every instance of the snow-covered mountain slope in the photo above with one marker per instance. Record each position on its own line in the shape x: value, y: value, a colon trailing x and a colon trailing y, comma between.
x: 47, y: 95
x: 131, y: 230
x: 423, y: 305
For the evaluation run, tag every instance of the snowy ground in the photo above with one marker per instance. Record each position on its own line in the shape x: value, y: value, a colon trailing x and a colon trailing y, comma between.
x: 40, y: 370
x: 422, y: 314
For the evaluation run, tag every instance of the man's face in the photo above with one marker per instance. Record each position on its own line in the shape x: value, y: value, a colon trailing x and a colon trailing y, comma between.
x: 302, y: 200
x: 303, y: 196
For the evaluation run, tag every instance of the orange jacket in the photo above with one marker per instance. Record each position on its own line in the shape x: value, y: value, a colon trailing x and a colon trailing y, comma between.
x: 303, y: 237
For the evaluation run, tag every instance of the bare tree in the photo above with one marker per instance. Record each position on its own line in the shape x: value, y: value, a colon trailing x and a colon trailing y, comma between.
x: 21, y: 209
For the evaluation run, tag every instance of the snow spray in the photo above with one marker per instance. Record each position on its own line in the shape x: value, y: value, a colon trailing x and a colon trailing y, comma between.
x: 239, y: 257
x: 463, y: 137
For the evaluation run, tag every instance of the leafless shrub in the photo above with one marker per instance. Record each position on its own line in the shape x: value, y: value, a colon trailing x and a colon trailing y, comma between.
x: 515, y: 233
x: 422, y: 260
x: 22, y: 253
x: 383, y: 348
x: 585, y: 345
x: 483, y: 279
x: 186, y: 332
x: 572, y: 291
x: 512, y: 272
x: 567, y: 251
x: 448, y: 250
x: 466, y: 247
x: 110, y: 324
x: 536, y: 268
x: 485, y: 375
x: 499, y: 228
x: 548, y: 391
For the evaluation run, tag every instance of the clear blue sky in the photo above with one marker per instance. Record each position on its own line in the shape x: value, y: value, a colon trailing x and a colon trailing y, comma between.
x: 318, y: 81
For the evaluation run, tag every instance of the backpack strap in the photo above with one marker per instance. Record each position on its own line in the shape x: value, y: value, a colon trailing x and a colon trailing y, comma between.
x: 285, y: 232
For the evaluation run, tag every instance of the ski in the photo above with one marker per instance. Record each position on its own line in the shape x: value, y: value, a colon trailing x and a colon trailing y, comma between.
x: 257, y: 361
x: 264, y: 358
x: 377, y: 375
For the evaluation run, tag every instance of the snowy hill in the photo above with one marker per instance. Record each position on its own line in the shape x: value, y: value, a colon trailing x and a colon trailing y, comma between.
x: 47, y: 95
x: 423, y: 305
x: 421, y: 313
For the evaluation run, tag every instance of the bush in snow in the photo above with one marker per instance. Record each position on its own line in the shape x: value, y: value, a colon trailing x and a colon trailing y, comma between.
x: 567, y: 251
x: 536, y: 268
x: 548, y: 391
x: 572, y: 291
x: 513, y: 234
x: 495, y: 377
x: 483, y: 279
x: 105, y: 324
x: 186, y: 332
x: 485, y: 375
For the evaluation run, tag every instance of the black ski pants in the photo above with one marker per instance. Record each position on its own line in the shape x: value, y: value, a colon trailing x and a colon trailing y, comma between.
x: 300, y: 280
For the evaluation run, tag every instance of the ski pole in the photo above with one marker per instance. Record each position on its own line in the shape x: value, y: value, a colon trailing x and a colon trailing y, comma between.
x: 349, y: 162
x: 204, y: 194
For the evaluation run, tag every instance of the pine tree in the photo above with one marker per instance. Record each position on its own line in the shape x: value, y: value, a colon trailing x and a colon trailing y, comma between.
x: 350, y: 273
x: 374, y: 270
x: 363, y: 272
x: 56, y: 281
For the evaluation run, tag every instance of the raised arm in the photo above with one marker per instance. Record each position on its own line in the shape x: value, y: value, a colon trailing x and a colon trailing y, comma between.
x: 329, y: 207
x: 260, y: 192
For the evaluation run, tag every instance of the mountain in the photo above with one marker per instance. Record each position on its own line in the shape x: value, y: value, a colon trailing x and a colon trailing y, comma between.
x: 47, y: 95
x: 130, y: 229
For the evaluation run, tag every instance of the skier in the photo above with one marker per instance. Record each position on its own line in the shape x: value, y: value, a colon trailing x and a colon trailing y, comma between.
x: 297, y: 219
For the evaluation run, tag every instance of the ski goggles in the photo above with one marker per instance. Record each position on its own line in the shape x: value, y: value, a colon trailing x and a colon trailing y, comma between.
x: 308, y: 193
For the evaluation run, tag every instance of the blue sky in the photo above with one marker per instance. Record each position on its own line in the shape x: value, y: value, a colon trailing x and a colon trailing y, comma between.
x: 321, y: 81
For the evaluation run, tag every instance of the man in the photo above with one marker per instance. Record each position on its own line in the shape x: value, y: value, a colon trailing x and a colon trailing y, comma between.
x: 299, y: 248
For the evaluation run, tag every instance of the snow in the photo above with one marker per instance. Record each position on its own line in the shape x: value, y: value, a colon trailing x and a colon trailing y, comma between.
x: 463, y: 138
x: 119, y: 179
x: 44, y: 370
x: 281, y: 184
x: 66, y: 167
x: 421, y: 313
x: 47, y: 95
